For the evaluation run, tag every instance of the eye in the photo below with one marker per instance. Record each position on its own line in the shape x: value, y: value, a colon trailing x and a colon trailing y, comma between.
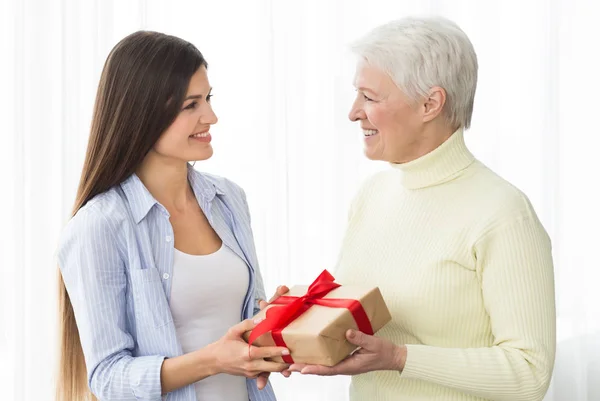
x: 191, y: 106
x: 361, y: 93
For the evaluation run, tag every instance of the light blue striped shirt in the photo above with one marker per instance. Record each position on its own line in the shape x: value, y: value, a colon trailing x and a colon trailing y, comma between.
x: 116, y: 258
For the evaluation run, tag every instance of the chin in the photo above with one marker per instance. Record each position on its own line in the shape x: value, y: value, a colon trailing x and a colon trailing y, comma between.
x: 205, y: 155
x: 372, y: 156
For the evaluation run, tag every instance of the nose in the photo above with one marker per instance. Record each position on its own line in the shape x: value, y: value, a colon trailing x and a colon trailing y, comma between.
x: 356, y: 111
x: 210, y: 117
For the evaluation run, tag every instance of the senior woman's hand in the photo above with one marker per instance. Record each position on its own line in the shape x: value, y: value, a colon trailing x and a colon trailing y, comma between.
x: 375, y: 353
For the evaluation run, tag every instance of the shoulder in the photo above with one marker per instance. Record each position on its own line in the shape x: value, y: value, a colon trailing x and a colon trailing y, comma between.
x: 371, y: 184
x: 500, y: 197
x: 96, y: 224
x: 367, y: 189
x: 495, y: 202
x: 104, y: 211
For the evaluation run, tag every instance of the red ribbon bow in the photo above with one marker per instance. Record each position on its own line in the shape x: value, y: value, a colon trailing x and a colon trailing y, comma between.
x: 279, y: 317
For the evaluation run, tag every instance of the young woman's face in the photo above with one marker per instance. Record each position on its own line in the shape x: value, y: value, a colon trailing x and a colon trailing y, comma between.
x: 188, y: 138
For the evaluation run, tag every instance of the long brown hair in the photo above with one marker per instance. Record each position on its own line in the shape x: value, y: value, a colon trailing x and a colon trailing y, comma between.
x: 141, y: 90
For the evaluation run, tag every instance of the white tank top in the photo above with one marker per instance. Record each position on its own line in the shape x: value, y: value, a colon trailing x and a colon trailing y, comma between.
x: 207, y: 297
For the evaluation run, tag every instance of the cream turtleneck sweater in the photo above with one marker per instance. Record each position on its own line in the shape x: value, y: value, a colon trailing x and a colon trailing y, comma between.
x: 465, y: 267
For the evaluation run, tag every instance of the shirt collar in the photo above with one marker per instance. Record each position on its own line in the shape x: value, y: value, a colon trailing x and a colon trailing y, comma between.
x: 141, y: 200
x: 204, y: 185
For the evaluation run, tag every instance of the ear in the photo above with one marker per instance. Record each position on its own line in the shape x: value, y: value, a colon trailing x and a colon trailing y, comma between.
x: 434, y: 103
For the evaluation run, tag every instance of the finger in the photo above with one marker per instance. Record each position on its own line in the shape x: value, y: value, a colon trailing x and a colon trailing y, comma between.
x: 239, y: 329
x: 262, y: 304
x: 286, y: 373
x: 349, y: 366
x: 268, y: 366
x: 262, y: 380
x: 319, y: 370
x: 361, y: 339
x: 296, y: 367
x: 281, y: 290
x: 267, y: 352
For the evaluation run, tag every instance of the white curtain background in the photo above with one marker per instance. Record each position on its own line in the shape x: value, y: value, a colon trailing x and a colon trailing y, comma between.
x: 283, y: 85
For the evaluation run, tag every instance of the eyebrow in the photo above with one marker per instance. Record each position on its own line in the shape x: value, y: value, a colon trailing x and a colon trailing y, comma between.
x: 197, y: 96
x: 364, y: 89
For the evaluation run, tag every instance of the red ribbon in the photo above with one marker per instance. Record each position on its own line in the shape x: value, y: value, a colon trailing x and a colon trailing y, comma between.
x: 279, y: 317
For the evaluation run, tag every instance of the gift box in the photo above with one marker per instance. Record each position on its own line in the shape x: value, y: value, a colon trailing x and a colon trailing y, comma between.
x: 312, y: 321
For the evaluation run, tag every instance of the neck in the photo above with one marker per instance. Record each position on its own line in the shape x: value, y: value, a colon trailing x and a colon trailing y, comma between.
x: 441, y: 164
x: 432, y: 136
x: 167, y: 181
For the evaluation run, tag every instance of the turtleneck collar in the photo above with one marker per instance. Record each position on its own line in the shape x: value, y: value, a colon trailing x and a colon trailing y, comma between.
x: 437, y: 166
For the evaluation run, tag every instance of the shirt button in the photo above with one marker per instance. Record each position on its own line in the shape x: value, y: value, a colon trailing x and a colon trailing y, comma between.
x: 168, y: 238
x: 166, y: 276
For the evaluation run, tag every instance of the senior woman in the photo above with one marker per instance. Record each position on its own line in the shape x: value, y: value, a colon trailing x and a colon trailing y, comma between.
x: 459, y: 254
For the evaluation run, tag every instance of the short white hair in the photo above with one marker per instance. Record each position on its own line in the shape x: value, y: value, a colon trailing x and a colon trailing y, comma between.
x: 420, y: 53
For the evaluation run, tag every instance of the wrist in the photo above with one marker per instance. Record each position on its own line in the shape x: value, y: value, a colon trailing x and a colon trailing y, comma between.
x: 206, y: 361
x: 399, y: 358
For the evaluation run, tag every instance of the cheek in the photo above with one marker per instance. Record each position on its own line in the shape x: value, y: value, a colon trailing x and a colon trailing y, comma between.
x: 376, y: 116
x: 381, y: 118
x: 397, y: 120
x: 173, y: 138
x: 164, y: 144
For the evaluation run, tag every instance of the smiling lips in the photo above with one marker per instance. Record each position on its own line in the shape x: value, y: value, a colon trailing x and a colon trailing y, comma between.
x: 201, y: 136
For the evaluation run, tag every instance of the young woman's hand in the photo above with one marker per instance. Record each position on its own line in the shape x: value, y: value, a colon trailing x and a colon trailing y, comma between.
x: 232, y: 355
x: 263, y: 378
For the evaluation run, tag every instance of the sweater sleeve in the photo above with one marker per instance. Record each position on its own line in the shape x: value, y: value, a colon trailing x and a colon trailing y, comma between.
x: 515, y: 265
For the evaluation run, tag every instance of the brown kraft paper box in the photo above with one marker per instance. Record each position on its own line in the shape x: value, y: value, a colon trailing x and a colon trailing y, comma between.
x: 318, y: 336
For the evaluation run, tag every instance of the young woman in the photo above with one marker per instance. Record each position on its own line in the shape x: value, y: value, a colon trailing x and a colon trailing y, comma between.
x: 158, y: 266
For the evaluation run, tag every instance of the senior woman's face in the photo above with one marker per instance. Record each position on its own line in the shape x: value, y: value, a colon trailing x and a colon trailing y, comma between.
x: 391, y: 127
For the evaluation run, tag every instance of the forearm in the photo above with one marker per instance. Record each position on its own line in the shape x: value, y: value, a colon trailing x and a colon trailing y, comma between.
x: 127, y: 378
x: 493, y: 373
x: 123, y: 377
x: 514, y: 261
x: 187, y: 369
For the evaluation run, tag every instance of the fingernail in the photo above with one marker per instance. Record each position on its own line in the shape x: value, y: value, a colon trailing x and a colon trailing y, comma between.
x: 351, y: 333
x: 285, y: 352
